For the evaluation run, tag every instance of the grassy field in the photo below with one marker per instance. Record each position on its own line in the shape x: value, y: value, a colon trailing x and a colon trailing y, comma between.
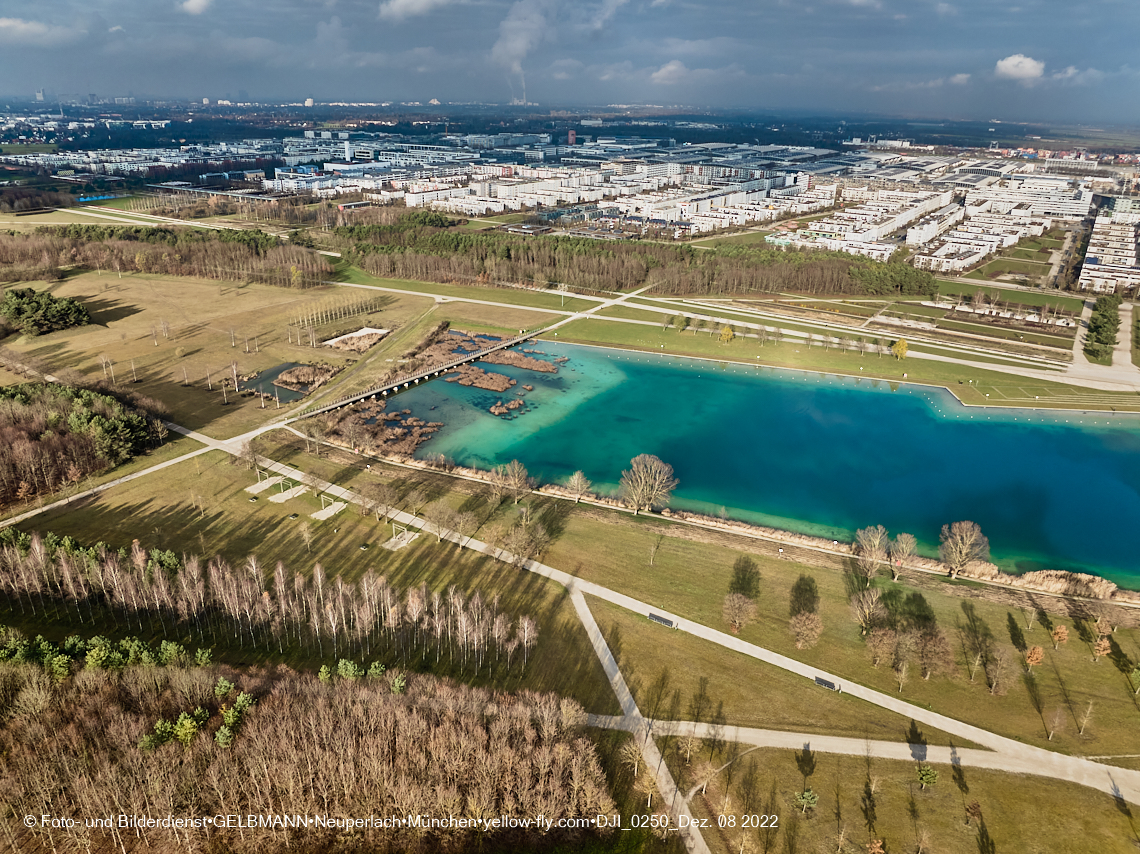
x: 970, y: 385
x: 1010, y: 267
x: 1038, y: 297
x: 507, y: 296
x: 1005, y: 334
x: 750, y: 693
x: 127, y: 316
x: 862, y: 799
x: 1135, y: 335
x: 27, y: 148
x: 690, y: 577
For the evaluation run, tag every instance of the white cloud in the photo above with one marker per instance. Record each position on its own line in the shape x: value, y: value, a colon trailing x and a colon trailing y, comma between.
x: 195, y: 7
x: 946, y: 9
x: 21, y: 32
x: 398, y: 10
x: 606, y: 11
x: 1020, y: 67
x: 960, y: 79
x: 670, y: 73
x: 867, y: 4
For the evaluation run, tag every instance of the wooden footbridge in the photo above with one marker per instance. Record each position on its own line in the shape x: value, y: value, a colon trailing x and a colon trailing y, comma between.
x: 406, y: 381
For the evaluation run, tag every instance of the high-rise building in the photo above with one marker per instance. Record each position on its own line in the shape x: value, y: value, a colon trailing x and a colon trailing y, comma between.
x: 572, y: 138
x: 308, y: 102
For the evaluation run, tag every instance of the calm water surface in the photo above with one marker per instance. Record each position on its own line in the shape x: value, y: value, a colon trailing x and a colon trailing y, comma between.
x: 816, y: 453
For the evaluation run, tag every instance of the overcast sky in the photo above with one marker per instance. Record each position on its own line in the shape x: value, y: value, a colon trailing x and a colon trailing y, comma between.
x: 1048, y: 60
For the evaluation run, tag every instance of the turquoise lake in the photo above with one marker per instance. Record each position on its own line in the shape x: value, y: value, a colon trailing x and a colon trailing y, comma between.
x: 816, y: 453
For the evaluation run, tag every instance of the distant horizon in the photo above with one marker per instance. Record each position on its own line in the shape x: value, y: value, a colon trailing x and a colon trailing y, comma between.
x: 536, y: 111
x: 1038, y: 61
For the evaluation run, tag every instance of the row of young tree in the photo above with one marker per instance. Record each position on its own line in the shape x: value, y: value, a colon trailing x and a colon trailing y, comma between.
x: 144, y: 741
x: 227, y: 254
x: 54, y: 435
x: 216, y: 603
x: 422, y: 246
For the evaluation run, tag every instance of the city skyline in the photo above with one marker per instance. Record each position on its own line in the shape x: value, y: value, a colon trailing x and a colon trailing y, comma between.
x: 1038, y: 60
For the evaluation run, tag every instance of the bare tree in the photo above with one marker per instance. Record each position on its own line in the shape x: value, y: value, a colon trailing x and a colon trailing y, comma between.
x: 1086, y: 716
x: 306, y: 531
x: 415, y: 501
x: 578, y: 485
x: 867, y: 608
x: 902, y: 550
x: 1056, y: 721
x: 996, y: 664
x: 738, y: 611
x: 466, y: 524
x: 806, y: 628
x: 512, y: 480
x: 871, y: 550
x: 384, y: 499
x: 962, y: 543
x: 440, y: 518
x: 648, y: 483
x: 880, y: 644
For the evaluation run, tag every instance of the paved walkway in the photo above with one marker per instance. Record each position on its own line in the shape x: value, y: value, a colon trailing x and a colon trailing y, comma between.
x: 1080, y: 360
x: 1013, y: 754
x: 1122, y: 352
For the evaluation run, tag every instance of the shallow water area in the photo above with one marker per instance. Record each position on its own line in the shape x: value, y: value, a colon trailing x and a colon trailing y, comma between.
x: 816, y: 453
x: 263, y: 382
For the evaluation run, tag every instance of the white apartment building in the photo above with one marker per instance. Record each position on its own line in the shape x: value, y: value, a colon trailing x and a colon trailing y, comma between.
x: 874, y: 219
x: 929, y: 227
x: 977, y: 236
x: 1040, y: 199
x: 1112, y: 262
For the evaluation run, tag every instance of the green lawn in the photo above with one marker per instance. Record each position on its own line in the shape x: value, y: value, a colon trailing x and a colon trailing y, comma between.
x: 27, y: 148
x: 691, y: 575
x: 1009, y: 266
x: 1064, y: 342
x: 865, y: 799
x: 1039, y: 297
x: 753, y: 694
x: 1005, y: 390
x: 508, y: 296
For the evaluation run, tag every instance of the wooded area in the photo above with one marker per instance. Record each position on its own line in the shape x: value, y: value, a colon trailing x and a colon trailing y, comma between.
x: 422, y: 246
x: 226, y: 254
x: 52, y: 435
x: 79, y: 741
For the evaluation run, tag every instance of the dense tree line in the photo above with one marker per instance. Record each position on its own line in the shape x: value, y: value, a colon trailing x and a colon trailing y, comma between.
x: 52, y: 435
x: 421, y: 246
x: 226, y: 254
x: 36, y: 312
x: 191, y: 741
x: 247, y: 606
x: 31, y: 198
x: 1103, y: 327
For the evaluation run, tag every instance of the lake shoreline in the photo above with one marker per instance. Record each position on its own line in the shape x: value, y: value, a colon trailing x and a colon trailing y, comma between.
x: 996, y: 407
